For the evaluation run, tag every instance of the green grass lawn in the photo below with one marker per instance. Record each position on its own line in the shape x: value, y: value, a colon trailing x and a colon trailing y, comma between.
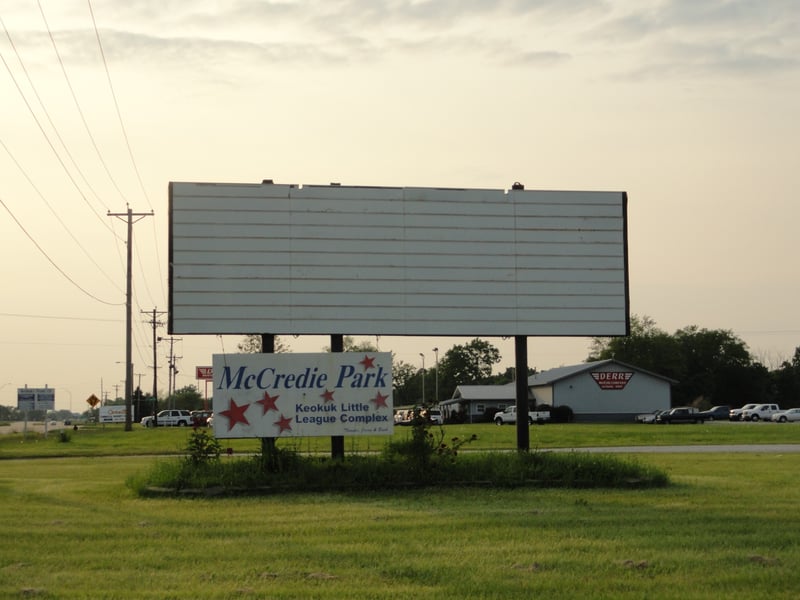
x: 113, y: 440
x: 728, y: 527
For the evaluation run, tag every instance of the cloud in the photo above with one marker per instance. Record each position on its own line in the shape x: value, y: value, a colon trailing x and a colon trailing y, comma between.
x: 739, y: 38
x: 635, y: 38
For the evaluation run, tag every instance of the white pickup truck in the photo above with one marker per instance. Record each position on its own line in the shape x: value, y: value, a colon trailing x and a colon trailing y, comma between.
x: 760, y: 412
x: 509, y: 415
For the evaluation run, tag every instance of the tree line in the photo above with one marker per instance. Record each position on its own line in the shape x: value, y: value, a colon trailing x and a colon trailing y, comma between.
x: 709, y: 366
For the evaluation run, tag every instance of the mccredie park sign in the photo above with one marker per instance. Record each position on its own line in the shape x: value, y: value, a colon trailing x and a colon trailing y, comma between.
x: 302, y: 395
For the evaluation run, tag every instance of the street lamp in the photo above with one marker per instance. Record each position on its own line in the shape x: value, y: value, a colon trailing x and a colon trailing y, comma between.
x: 423, y: 378
x: 436, y: 354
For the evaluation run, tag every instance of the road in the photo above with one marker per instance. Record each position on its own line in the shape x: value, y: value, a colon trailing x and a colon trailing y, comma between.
x: 722, y: 448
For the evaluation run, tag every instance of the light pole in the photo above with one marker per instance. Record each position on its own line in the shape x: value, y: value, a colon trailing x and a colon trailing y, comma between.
x: 436, y: 355
x: 423, y: 378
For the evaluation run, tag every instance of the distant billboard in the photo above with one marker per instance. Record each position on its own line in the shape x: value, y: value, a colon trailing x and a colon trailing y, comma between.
x: 36, y: 398
x: 113, y: 414
x: 286, y: 259
x: 204, y: 373
x: 302, y: 394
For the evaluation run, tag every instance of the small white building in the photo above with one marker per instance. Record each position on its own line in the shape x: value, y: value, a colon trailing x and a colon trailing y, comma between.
x: 478, y: 403
x: 602, y: 391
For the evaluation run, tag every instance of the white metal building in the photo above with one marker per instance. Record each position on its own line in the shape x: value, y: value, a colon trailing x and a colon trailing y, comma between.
x: 606, y: 390
x: 602, y: 391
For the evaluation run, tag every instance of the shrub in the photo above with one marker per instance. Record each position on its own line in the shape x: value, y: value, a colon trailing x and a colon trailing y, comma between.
x: 561, y: 414
x: 202, y: 448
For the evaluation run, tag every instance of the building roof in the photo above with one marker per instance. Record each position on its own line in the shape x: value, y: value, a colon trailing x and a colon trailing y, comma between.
x: 508, y: 392
x: 474, y: 393
x: 552, y: 376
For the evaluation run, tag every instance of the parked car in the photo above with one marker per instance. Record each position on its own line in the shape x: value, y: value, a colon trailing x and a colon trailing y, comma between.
x: 509, y: 416
x: 435, y: 416
x: 200, y: 417
x: 760, y: 412
x: 736, y: 413
x: 648, y: 417
x: 682, y: 414
x: 717, y: 413
x: 169, y: 418
x: 793, y: 414
x: 403, y: 416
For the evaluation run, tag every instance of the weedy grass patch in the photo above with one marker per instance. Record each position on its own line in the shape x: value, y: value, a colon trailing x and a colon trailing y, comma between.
x: 423, y: 460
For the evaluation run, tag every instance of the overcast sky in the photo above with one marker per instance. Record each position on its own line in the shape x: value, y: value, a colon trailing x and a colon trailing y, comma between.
x: 692, y: 107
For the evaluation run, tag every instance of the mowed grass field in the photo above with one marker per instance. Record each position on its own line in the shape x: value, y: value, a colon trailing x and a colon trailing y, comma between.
x: 727, y: 527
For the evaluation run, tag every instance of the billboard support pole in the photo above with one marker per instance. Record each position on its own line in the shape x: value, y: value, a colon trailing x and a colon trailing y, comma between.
x: 337, y: 441
x: 521, y: 372
x: 267, y: 443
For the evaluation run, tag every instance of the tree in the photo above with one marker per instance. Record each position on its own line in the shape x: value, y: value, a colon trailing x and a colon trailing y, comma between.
x: 786, y: 382
x: 350, y: 345
x: 469, y: 364
x: 251, y: 344
x: 712, y: 366
x: 647, y: 347
x: 186, y: 398
x: 719, y: 368
x: 407, y: 384
x: 509, y: 376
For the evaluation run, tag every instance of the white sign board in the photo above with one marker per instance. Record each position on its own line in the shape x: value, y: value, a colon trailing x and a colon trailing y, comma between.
x: 36, y: 398
x: 284, y: 259
x: 113, y: 414
x: 302, y: 395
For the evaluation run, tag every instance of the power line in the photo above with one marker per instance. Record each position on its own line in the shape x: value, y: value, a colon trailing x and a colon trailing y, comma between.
x: 49, y: 118
x: 78, y: 106
x: 24, y: 316
x: 116, y: 106
x: 47, y: 138
x: 127, y: 139
x: 56, y: 215
x: 52, y: 262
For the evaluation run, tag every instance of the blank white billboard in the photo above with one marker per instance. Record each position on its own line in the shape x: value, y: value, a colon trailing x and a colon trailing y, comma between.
x: 289, y: 259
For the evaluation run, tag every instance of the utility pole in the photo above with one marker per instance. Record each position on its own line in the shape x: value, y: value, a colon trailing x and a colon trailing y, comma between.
x: 129, y: 216
x: 155, y: 323
x: 171, y: 360
x: 436, y: 354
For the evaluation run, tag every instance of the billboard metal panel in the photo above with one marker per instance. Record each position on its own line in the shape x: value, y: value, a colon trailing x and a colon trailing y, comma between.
x: 285, y: 259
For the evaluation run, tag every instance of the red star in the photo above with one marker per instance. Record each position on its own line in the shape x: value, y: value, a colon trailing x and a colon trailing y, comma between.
x: 328, y: 395
x: 380, y: 400
x: 268, y: 403
x: 369, y: 363
x: 235, y: 414
x: 284, y: 424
